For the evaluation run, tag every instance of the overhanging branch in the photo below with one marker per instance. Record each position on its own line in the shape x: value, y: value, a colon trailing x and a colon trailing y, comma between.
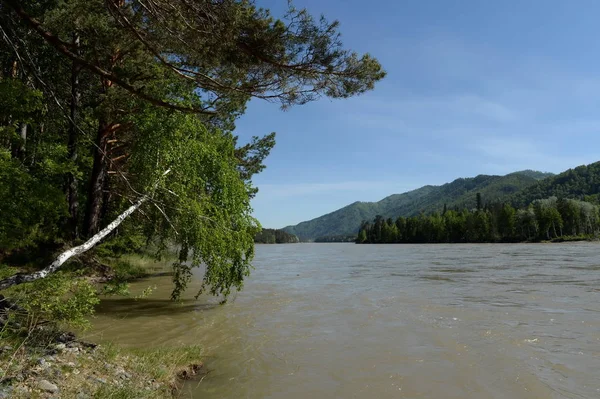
x: 65, y: 49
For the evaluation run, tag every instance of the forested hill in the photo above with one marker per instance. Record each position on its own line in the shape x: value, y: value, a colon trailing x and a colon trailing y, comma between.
x: 275, y: 236
x: 582, y: 183
x: 460, y: 193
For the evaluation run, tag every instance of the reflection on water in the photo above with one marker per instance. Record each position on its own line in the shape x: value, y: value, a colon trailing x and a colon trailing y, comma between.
x: 387, y: 321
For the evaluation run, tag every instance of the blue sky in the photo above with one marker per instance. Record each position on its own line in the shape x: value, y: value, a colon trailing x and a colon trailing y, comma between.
x: 473, y: 87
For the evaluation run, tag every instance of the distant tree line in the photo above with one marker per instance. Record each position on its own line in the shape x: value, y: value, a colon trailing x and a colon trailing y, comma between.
x: 545, y: 219
x: 336, y: 238
x: 274, y: 236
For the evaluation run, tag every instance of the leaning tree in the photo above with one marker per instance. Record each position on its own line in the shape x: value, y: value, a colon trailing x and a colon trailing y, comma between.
x: 161, y: 83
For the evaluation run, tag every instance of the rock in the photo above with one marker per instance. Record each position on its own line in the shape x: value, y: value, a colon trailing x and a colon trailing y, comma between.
x: 20, y: 377
x: 43, y: 363
x: 61, y: 346
x: 82, y: 395
x: 66, y: 337
x: 71, y: 364
x: 47, y: 386
x: 124, y: 375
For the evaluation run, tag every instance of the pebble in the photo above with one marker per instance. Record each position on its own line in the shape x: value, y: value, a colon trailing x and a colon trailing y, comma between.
x: 61, y: 346
x: 46, y: 385
x: 124, y: 375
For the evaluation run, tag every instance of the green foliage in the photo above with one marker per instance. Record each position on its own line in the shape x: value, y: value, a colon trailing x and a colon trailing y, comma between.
x: 61, y: 297
x: 574, y: 183
x: 18, y: 104
x: 131, y: 240
x: 7, y: 271
x: 31, y: 207
x: 203, y: 205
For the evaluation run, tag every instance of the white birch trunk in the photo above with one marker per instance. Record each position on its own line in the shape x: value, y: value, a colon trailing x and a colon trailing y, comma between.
x: 63, y: 257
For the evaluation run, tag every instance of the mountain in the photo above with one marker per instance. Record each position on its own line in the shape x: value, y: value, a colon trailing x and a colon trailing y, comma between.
x: 582, y: 182
x: 459, y: 193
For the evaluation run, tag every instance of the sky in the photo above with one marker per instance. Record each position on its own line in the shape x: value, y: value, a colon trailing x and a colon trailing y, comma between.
x: 473, y: 87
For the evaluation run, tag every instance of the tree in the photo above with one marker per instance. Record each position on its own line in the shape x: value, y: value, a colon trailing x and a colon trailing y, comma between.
x: 362, y: 236
x: 134, y: 88
x: 506, y: 222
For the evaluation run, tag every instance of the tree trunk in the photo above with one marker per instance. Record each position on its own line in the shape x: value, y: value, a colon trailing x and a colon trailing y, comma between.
x: 99, y: 173
x: 63, y: 257
x: 23, y: 135
x: 18, y: 148
x: 72, y: 192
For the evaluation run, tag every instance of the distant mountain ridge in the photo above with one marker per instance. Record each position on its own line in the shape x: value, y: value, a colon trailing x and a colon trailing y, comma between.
x: 458, y: 193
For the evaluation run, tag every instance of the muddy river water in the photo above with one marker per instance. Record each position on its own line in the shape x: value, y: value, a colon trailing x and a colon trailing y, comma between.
x: 387, y: 321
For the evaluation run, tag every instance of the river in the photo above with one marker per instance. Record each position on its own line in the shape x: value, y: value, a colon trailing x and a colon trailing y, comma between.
x: 387, y: 321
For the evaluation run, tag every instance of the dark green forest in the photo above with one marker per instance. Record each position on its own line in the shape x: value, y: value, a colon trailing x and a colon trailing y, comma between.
x: 340, y: 238
x: 274, y: 236
x: 545, y: 219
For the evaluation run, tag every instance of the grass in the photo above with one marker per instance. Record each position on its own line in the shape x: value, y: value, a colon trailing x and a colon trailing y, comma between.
x: 7, y: 271
x: 104, y: 372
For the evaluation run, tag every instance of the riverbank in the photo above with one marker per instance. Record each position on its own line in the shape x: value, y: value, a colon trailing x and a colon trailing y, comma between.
x: 39, y: 361
x: 74, y: 369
